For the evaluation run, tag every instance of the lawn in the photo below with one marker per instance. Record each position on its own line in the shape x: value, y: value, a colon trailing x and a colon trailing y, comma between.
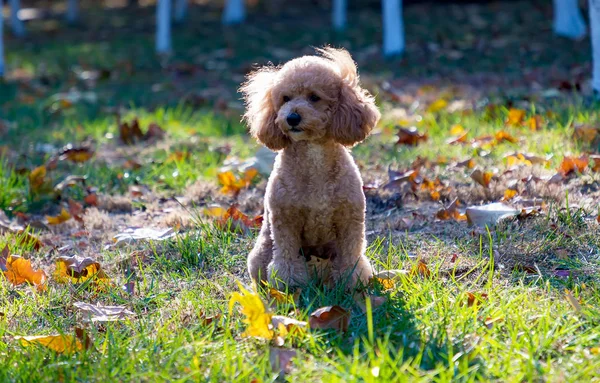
x: 485, y: 106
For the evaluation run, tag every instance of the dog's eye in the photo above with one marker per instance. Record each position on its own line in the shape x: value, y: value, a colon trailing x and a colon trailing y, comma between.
x: 314, y: 98
x: 286, y: 99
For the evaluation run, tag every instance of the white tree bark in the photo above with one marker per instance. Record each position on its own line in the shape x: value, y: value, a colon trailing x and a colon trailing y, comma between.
x: 181, y: 7
x: 72, y: 11
x: 595, y: 32
x: 234, y: 13
x: 163, y: 26
x: 16, y: 23
x: 339, y: 14
x: 1, y: 45
x: 393, y: 27
x: 568, y: 21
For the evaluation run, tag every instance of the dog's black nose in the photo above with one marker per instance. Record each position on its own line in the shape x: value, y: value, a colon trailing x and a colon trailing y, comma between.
x: 293, y: 119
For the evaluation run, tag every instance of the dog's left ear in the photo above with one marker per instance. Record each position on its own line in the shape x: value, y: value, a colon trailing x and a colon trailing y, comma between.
x: 356, y: 113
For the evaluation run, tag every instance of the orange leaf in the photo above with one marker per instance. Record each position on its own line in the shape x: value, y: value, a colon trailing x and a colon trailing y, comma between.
x: 62, y: 217
x: 77, y: 155
x: 504, y: 136
x: 18, y: 270
x: 78, y: 269
x: 509, y: 194
x: 421, y: 269
x: 571, y: 164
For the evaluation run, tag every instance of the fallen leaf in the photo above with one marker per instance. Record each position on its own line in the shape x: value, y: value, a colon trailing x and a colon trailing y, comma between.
x: 76, y: 269
x: 281, y: 360
x: 330, y: 317
x: 515, y: 117
x: 534, y: 122
x: 473, y: 299
x: 451, y: 212
x: 482, y: 178
x: 502, y: 136
x: 257, y: 317
x: 64, y: 216
x: 63, y: 344
x: 571, y: 164
x: 231, y: 184
x: 509, y: 194
x: 437, y: 105
x: 76, y: 210
x: 75, y: 154
x: 37, y: 179
x: 574, y: 302
x: 488, y: 215
x: 233, y: 219
x: 19, y: 270
x: 99, y: 313
x: 410, y: 136
x: 421, y: 269
x: 586, y: 133
x: 285, y: 325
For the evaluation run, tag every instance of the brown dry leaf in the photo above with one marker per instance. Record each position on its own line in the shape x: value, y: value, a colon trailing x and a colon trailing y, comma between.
x: 99, y: 313
x: 284, y: 298
x: 515, y: 117
x: 37, y: 179
x: 596, y: 165
x: 586, y: 133
x: 18, y: 270
x: 410, y: 136
x: 129, y: 134
x: 468, y: 163
x: 486, y: 141
x: 91, y: 199
x: 76, y: 210
x: 231, y: 184
x: 421, y: 269
x: 75, y: 154
x: 78, y: 269
x: 571, y: 164
x: 482, y: 178
x: 502, y: 136
x: 208, y: 320
x: 573, y: 301
x: 281, y: 360
x: 64, y: 216
x: 330, y: 317
x: 473, y: 299
x: 63, y: 344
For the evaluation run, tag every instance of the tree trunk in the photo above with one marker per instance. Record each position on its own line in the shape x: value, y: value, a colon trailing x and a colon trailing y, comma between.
x: 393, y: 27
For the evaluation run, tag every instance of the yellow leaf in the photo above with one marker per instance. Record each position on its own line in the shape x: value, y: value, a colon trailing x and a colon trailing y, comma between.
x: 62, y: 217
x: 257, y: 317
x: 515, y: 117
x: 386, y: 283
x: 535, y: 122
x: 509, y: 194
x: 37, y: 177
x: 457, y: 130
x: 64, y: 344
x: 233, y: 185
x: 437, y: 105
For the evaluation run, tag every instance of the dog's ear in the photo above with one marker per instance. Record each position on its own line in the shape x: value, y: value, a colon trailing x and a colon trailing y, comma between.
x: 260, y: 113
x: 356, y: 114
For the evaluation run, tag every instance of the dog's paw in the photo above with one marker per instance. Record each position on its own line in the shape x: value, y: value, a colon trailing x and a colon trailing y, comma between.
x: 287, y: 275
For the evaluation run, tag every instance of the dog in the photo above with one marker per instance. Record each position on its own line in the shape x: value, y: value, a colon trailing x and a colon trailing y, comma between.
x: 311, y: 110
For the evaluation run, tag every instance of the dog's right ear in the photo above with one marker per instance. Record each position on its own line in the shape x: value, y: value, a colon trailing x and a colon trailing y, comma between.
x: 260, y: 112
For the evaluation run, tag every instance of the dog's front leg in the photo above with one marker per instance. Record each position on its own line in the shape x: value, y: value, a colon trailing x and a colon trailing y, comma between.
x: 287, y: 266
x: 351, y: 264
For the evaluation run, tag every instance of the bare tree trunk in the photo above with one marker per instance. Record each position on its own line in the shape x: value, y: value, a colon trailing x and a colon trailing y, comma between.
x: 393, y: 27
x: 595, y: 32
x: 163, y: 26
x: 568, y: 21
x: 16, y: 23
x: 339, y: 14
x: 234, y: 13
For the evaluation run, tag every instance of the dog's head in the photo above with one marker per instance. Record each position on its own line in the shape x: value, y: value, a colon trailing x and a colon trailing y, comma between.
x: 315, y: 98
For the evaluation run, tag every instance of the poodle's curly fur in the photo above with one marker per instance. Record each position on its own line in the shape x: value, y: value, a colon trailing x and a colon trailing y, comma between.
x: 314, y: 203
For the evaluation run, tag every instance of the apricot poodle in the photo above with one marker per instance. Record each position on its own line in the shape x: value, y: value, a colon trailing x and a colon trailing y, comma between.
x: 311, y: 110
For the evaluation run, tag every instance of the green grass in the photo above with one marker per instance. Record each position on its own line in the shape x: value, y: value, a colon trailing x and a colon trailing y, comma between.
x: 526, y: 325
